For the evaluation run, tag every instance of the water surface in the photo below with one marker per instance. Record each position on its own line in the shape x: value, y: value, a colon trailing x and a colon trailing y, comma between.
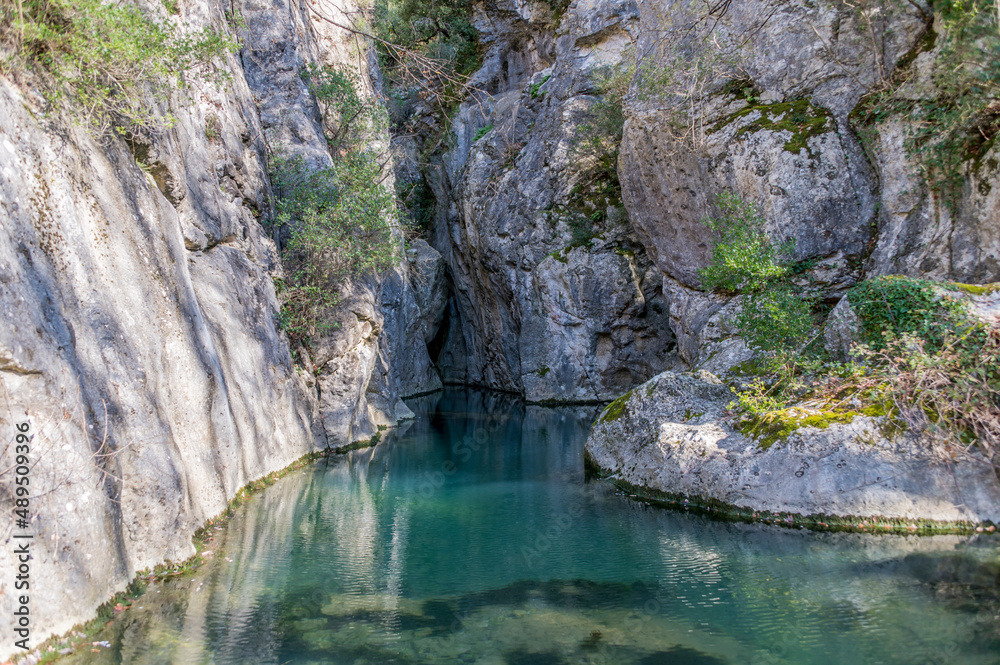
x: 472, y: 536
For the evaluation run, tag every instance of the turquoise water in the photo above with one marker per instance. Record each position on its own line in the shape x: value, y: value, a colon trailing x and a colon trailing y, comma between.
x: 472, y: 536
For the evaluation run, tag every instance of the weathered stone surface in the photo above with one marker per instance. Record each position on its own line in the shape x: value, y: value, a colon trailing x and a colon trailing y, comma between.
x: 588, y: 332
x: 429, y: 284
x: 149, y: 364
x: 927, y: 233
x: 844, y: 204
x: 841, y: 330
x: 553, y: 295
x: 673, y: 434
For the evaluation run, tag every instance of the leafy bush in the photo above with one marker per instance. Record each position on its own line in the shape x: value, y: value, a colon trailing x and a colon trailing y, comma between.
x: 109, y: 59
x: 342, y: 220
x: 428, y: 46
x: 891, y: 306
x: 743, y: 257
x: 775, y: 317
x: 440, y: 29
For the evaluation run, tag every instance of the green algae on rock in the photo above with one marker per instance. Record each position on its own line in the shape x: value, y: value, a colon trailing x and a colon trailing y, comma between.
x: 797, y: 461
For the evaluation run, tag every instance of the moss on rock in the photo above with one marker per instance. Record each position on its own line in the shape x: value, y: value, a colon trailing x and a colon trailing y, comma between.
x: 975, y: 289
x: 799, y: 117
x: 616, y: 409
x: 773, y: 426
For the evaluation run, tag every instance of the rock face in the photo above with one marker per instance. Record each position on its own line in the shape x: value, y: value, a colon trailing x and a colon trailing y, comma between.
x: 553, y: 295
x: 671, y: 434
x: 140, y: 337
x: 777, y: 121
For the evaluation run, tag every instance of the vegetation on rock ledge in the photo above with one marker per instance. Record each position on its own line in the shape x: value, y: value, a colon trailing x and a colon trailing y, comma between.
x: 341, y: 220
x: 116, y: 63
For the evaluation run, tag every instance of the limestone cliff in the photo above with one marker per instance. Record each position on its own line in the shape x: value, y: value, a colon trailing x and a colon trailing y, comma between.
x: 140, y: 337
x: 564, y: 292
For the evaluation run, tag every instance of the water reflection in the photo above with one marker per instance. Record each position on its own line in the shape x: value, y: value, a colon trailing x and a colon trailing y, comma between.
x: 472, y: 536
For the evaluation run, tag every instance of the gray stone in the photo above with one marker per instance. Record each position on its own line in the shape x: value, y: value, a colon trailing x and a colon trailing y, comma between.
x: 842, y: 330
x: 427, y: 274
x: 547, y: 302
x: 673, y: 434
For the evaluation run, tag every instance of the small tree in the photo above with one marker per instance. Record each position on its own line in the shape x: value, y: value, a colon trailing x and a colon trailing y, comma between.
x: 776, y: 317
x: 343, y: 220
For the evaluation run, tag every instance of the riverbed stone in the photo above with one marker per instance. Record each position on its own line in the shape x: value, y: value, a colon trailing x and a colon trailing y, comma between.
x: 674, y: 434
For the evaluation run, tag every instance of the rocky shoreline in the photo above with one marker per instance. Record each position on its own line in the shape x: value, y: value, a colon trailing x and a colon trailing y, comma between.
x: 673, y: 442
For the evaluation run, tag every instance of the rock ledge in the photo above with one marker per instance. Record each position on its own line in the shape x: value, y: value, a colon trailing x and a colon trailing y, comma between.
x: 671, y: 440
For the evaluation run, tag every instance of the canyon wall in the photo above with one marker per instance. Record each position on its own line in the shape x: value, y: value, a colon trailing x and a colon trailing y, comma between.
x: 140, y: 336
x: 565, y: 292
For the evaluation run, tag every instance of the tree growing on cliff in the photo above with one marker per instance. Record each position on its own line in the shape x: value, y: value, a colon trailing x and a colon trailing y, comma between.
x: 775, y: 318
x: 341, y: 221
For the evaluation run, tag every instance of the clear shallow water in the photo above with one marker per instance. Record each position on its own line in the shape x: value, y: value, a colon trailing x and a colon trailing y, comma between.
x: 472, y: 536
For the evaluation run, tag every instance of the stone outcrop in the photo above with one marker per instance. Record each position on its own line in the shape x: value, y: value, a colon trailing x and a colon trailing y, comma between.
x: 136, y: 278
x: 674, y: 435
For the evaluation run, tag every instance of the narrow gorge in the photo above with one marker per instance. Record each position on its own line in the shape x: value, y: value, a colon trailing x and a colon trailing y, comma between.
x: 538, y: 204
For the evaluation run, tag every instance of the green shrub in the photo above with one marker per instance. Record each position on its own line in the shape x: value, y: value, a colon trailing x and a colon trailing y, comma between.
x: 744, y: 259
x: 110, y: 60
x: 775, y: 317
x: 775, y: 320
x: 891, y: 306
x: 482, y: 131
x: 350, y: 121
x: 342, y: 221
x: 432, y: 46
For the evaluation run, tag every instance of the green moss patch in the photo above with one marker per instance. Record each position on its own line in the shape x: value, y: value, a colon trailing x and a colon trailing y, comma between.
x: 772, y: 426
x: 800, y: 117
x: 616, y: 409
x: 974, y: 289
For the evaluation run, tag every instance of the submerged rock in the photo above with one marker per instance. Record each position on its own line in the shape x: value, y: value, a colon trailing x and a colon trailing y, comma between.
x: 674, y: 435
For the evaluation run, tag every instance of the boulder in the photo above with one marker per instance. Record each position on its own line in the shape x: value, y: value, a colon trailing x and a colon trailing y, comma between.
x: 673, y: 436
